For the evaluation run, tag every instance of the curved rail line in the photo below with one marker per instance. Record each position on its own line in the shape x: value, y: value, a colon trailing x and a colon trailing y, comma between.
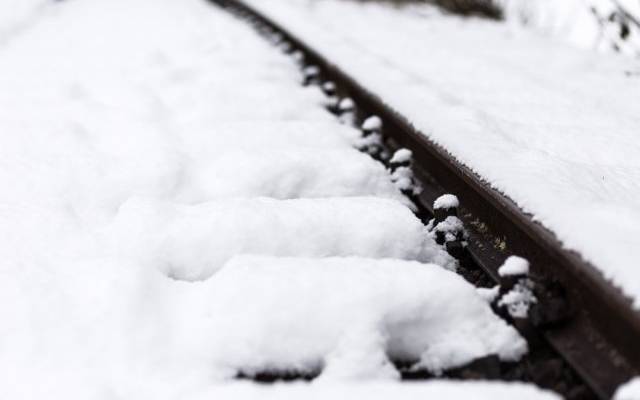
x: 592, y: 326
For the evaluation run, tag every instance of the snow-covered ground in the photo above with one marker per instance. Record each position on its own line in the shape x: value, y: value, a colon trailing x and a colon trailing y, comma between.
x: 552, y: 126
x: 19, y: 15
x: 629, y: 391
x: 175, y: 210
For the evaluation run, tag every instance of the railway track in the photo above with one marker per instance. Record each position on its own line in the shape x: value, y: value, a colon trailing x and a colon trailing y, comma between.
x: 582, y: 331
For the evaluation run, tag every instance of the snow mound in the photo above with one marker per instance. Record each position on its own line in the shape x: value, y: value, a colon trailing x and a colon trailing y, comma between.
x: 373, y: 123
x: 519, y: 299
x: 451, y: 229
x: 192, y: 242
x: 401, y: 156
x: 106, y: 153
x: 211, y: 139
x: 446, y: 201
x: 629, y: 391
x: 18, y: 15
x: 346, y: 104
x: 514, y: 265
x: 288, y: 174
x: 349, y: 317
x: 311, y: 70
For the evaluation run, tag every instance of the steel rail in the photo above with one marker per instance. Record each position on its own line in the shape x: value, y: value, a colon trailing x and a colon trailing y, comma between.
x: 600, y: 340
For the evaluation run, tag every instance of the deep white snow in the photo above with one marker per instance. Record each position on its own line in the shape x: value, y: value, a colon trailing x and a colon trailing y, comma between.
x: 629, y: 391
x: 20, y: 15
x: 518, y: 300
x: 450, y: 228
x: 349, y: 316
x: 552, y: 126
x: 191, y: 242
x: 514, y: 265
x: 373, y: 123
x: 145, y: 146
x: 401, y: 156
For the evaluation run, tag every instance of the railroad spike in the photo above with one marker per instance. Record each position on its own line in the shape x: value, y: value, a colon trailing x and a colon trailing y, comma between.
x: 347, y: 111
x: 516, y: 295
x: 286, y: 46
x: 329, y: 88
x: 445, y: 206
x: 371, y: 125
x: 311, y: 75
x: 401, y: 158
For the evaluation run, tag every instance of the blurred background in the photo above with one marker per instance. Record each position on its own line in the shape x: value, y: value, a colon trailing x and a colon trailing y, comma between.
x: 604, y: 24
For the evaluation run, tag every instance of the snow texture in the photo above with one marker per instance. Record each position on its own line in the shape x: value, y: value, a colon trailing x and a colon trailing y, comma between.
x: 290, y: 314
x: 452, y: 227
x: 147, y: 145
x: 489, y: 294
x: 519, y: 299
x: 311, y: 71
x: 401, y: 156
x: 514, y: 265
x: 373, y: 123
x: 552, y: 126
x: 329, y: 87
x: 286, y: 174
x: 404, y: 180
x: 629, y: 391
x: 446, y: 201
x: 346, y: 104
x: 191, y: 242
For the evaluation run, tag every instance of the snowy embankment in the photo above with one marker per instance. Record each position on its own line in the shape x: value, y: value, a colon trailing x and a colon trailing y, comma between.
x: 596, y: 24
x: 552, y: 126
x: 629, y: 391
x: 147, y: 148
x: 17, y: 16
